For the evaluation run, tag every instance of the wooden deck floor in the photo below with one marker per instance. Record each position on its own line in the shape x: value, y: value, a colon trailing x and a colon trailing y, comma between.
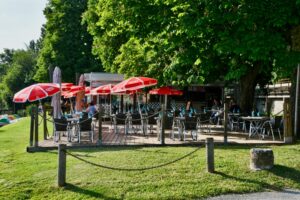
x: 111, y: 138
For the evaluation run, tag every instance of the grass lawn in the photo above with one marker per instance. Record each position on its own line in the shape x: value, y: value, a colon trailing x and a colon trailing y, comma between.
x: 34, y: 175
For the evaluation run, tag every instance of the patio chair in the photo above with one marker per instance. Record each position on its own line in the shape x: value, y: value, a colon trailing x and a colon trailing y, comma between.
x: 152, y: 120
x: 204, y: 122
x: 85, y: 125
x: 190, y: 124
x: 120, y: 119
x: 267, y: 128
x: 168, y: 125
x: 136, y: 122
x: 234, y: 122
x: 60, y: 126
x: 278, y: 126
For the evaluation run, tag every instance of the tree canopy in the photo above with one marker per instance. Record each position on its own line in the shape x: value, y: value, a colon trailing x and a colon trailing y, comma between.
x: 66, y: 42
x: 19, y: 67
x: 184, y: 42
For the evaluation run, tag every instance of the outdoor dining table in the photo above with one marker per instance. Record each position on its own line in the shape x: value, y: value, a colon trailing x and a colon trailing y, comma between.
x: 256, y: 124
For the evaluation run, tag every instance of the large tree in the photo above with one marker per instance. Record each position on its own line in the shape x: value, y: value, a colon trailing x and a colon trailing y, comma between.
x: 20, y: 67
x: 66, y: 42
x: 183, y: 42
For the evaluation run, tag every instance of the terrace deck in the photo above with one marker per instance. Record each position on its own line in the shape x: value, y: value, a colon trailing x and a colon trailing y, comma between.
x: 109, y: 138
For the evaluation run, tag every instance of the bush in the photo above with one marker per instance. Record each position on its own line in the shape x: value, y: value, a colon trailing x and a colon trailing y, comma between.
x: 28, y: 109
x: 22, y: 113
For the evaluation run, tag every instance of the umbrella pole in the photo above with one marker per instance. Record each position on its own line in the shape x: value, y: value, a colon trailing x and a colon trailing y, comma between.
x: 110, y: 104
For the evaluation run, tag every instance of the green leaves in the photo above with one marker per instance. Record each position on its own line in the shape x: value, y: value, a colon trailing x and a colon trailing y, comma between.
x: 67, y: 43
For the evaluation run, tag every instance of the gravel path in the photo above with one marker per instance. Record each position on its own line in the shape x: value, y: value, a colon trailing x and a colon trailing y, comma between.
x: 289, y: 194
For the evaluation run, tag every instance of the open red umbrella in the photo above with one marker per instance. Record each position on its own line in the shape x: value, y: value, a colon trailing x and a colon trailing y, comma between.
x: 134, y: 83
x: 166, y: 90
x: 36, y: 92
x: 87, y: 91
x: 103, y: 89
x: 66, y: 86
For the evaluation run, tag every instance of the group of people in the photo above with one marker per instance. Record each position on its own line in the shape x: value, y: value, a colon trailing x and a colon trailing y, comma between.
x: 89, y: 108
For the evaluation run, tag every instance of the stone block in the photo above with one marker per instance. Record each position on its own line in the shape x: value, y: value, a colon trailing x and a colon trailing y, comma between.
x: 261, y: 159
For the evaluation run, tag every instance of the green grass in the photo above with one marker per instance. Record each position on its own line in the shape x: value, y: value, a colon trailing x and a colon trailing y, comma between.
x: 34, y: 175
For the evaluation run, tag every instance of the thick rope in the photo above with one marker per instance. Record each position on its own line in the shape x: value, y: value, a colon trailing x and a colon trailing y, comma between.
x: 132, y: 169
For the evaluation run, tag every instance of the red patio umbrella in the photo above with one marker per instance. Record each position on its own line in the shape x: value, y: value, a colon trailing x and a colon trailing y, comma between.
x: 66, y: 86
x: 166, y: 90
x: 87, y: 91
x: 134, y: 83
x: 103, y: 89
x: 36, y: 92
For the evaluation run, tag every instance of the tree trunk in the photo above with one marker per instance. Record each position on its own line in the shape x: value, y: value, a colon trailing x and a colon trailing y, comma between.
x: 247, y: 90
x: 295, y: 39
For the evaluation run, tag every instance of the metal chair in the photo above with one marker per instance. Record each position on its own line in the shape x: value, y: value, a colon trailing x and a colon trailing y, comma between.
x: 85, y: 125
x: 267, y: 128
x: 120, y: 119
x: 152, y: 120
x: 60, y: 126
x: 190, y: 124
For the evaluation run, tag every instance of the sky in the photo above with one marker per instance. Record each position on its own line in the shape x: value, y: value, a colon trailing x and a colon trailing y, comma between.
x: 20, y: 22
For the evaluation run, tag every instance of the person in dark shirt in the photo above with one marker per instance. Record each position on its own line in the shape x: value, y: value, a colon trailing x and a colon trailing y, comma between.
x: 234, y: 107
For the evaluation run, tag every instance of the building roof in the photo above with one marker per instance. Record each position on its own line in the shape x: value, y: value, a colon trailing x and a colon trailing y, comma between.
x: 101, y: 78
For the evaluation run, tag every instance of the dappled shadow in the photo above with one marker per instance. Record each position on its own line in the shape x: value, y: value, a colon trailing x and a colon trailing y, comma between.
x: 86, y: 192
x: 286, y: 172
x: 263, y: 184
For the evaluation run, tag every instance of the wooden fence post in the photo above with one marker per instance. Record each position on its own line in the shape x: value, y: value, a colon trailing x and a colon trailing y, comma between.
x: 288, y: 135
x: 31, y: 126
x: 36, y: 126
x: 225, y: 122
x: 61, y: 179
x: 210, y: 155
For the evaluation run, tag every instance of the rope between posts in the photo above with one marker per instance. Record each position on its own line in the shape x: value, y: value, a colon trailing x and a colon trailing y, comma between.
x: 132, y: 169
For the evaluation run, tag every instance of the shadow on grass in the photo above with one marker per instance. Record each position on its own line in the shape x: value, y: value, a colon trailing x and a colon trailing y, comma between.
x: 86, y: 192
x: 286, y: 172
x: 263, y: 184
x: 278, y: 170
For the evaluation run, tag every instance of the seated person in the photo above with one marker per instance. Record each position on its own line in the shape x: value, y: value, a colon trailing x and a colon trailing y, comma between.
x: 234, y: 107
x: 91, y: 110
x: 215, y: 111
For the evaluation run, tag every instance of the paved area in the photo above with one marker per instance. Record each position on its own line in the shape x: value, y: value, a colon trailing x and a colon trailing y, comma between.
x: 289, y: 194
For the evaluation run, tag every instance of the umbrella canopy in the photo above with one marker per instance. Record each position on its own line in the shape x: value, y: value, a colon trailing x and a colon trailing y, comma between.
x: 87, y: 91
x: 66, y: 86
x: 103, y: 89
x: 166, y: 91
x: 73, y: 91
x: 36, y: 92
x: 134, y: 83
x: 76, y: 88
x: 55, y: 101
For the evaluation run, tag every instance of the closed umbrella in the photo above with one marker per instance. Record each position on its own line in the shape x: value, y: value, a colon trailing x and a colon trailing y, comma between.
x: 80, y: 95
x: 55, y: 102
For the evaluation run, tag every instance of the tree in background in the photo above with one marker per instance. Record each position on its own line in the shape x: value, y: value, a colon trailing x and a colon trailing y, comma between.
x: 66, y: 42
x: 184, y: 42
x: 19, y: 67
